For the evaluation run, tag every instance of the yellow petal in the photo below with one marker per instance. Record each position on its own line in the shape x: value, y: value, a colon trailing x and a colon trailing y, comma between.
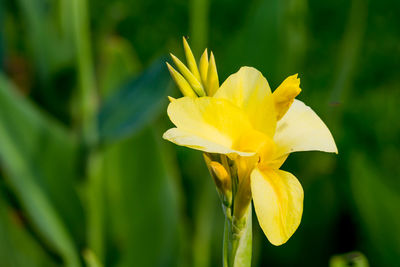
x: 188, y: 139
x: 207, y: 124
x: 249, y: 90
x: 285, y: 94
x: 302, y: 130
x: 251, y: 141
x: 278, y: 202
x: 269, y: 156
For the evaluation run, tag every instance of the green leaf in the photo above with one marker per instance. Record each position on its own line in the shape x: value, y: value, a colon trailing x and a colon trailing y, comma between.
x: 272, y: 38
x: 91, y: 259
x: 17, y: 246
x: 119, y: 63
x: 47, y: 36
x: 137, y: 103
x: 29, y: 141
x: 2, y: 41
x: 143, y: 201
x: 377, y: 204
x: 258, y: 43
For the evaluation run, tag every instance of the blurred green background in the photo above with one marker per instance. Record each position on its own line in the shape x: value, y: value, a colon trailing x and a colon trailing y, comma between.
x: 87, y: 180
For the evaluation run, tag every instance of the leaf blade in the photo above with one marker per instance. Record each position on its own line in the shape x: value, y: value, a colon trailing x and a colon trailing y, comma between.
x: 135, y: 104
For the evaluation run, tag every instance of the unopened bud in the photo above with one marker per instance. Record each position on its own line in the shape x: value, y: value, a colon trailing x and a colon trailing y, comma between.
x: 204, y: 67
x: 221, y: 174
x: 190, y: 59
x: 212, y: 76
x: 190, y: 78
x: 222, y: 180
x: 180, y: 81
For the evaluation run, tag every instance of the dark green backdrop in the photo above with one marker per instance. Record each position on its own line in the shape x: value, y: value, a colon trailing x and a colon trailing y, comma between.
x: 85, y: 176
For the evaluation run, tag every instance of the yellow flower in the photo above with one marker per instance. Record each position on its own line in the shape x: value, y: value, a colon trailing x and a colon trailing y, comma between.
x: 256, y: 129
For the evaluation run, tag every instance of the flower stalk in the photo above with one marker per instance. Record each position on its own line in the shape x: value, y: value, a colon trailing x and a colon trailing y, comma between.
x: 237, y: 247
x: 236, y: 204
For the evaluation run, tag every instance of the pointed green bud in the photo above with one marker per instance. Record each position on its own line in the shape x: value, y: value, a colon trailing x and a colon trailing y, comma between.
x: 182, y: 84
x: 191, y: 61
x: 204, y: 67
x: 212, y: 76
x: 195, y: 84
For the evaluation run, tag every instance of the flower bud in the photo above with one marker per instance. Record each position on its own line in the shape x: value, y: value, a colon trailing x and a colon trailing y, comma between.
x: 222, y: 180
x: 212, y: 76
x: 182, y: 84
x: 204, y: 67
x: 191, y: 61
x: 190, y: 78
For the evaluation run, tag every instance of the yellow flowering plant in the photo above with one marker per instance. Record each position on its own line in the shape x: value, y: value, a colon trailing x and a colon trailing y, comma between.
x: 246, y: 133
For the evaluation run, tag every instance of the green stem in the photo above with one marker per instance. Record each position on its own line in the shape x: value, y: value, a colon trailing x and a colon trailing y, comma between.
x: 95, y: 197
x: 87, y: 86
x: 198, y: 24
x: 88, y: 97
x: 237, y: 245
x: 225, y: 244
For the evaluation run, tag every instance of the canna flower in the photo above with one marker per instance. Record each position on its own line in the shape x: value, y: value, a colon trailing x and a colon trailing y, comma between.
x: 247, y: 132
